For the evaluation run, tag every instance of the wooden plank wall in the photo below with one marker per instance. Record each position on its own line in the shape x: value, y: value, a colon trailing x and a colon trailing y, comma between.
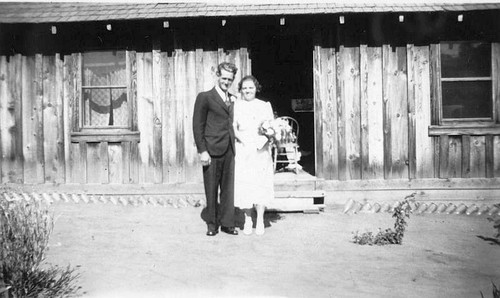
x: 373, y: 109
x: 469, y: 155
x: 39, y: 103
x: 382, y: 114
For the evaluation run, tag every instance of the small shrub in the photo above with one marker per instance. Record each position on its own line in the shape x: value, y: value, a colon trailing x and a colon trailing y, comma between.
x: 496, y: 291
x: 401, y: 212
x: 496, y: 222
x: 25, y: 228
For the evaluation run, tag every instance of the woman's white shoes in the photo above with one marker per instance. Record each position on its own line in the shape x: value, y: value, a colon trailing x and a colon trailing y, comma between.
x: 247, y: 228
x: 259, y: 229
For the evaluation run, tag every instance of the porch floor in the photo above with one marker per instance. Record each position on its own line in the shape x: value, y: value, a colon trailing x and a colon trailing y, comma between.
x: 297, y: 192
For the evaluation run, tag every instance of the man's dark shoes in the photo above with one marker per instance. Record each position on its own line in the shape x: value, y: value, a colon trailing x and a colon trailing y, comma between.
x: 212, y: 230
x: 211, y: 233
x: 230, y: 231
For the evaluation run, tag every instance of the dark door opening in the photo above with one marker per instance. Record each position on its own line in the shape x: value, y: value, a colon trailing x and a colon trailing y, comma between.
x: 282, y: 62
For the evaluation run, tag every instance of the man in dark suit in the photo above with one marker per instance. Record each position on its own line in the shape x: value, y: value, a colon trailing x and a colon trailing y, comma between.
x: 214, y: 138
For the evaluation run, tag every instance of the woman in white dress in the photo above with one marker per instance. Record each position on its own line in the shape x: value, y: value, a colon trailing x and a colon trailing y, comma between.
x: 254, y: 173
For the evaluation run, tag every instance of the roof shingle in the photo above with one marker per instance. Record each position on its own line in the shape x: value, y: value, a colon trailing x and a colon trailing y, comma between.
x: 50, y: 12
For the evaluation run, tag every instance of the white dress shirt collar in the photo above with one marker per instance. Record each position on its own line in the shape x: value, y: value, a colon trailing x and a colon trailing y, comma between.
x: 222, y: 94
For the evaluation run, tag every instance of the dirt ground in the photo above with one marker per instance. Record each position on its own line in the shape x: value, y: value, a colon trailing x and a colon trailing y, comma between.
x: 149, y: 251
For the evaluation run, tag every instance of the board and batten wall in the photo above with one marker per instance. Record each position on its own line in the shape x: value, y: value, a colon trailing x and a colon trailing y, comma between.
x: 38, y: 104
x: 373, y: 108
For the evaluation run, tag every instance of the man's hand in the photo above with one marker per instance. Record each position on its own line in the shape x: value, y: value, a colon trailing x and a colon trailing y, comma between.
x: 205, y: 158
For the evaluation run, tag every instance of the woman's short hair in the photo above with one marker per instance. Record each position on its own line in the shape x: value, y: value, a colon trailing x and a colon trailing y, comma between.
x: 258, y: 87
x: 227, y: 67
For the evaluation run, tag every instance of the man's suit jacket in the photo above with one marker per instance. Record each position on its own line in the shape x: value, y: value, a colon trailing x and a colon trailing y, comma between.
x: 212, y: 123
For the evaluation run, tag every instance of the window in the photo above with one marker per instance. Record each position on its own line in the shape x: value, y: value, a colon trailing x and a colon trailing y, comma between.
x: 104, y: 89
x: 466, y: 81
x: 105, y: 97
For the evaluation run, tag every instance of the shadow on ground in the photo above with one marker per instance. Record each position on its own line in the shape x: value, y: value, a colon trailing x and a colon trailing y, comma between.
x: 491, y: 240
x: 269, y: 217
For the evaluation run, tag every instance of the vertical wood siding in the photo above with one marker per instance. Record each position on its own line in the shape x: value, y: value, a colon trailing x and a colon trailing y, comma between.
x: 395, y: 112
x: 350, y: 88
x: 372, y: 112
x: 496, y: 156
x: 68, y: 102
x: 422, y: 154
x: 325, y: 107
x: 53, y: 127
x: 341, y: 150
x: 39, y: 108
x: 33, y: 149
x: 10, y: 119
x: 191, y: 153
x: 372, y: 116
x: 157, y: 115
x: 382, y: 113
x: 145, y: 116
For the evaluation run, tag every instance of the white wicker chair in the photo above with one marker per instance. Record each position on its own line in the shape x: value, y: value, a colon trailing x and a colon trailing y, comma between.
x: 289, y: 150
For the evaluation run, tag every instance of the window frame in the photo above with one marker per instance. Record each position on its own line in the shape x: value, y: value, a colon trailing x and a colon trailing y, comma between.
x: 465, y: 126
x: 80, y: 132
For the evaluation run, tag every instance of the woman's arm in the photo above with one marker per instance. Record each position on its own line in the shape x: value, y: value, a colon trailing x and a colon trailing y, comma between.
x: 236, y: 126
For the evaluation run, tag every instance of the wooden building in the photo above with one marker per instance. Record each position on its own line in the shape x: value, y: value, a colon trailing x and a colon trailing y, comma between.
x: 391, y: 99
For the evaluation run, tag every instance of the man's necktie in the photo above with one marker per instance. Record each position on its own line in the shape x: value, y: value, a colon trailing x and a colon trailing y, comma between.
x: 227, y: 101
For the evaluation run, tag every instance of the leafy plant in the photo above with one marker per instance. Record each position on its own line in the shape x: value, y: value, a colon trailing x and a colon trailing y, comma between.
x: 25, y: 228
x: 496, y: 222
x: 401, y: 212
x: 496, y: 291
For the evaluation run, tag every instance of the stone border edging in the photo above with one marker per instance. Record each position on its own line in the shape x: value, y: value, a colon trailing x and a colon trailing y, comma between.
x: 175, y: 201
x: 353, y: 207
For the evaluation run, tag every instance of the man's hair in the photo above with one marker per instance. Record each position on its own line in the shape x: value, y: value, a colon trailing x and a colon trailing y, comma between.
x: 227, y: 67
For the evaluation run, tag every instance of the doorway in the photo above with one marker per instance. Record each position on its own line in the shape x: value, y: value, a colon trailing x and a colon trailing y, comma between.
x: 282, y: 62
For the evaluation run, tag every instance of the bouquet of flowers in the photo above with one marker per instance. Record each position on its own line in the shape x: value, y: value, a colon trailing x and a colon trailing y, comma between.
x: 277, y: 130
